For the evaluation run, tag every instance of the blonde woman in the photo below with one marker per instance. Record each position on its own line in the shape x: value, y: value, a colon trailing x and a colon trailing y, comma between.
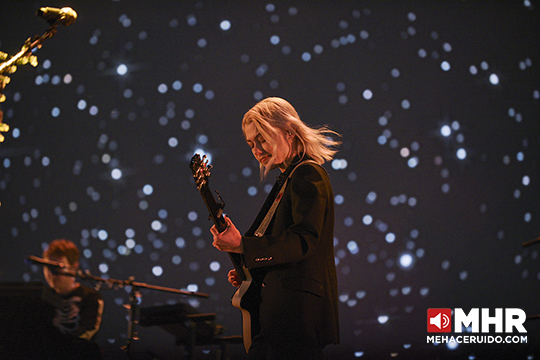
x: 289, y: 248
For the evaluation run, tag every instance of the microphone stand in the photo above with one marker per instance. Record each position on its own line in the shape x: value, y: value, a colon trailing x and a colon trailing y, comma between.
x: 23, y: 57
x: 134, y: 296
x: 531, y: 242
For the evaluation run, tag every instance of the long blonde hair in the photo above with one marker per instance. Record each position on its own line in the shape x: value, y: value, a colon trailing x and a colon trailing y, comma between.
x: 274, y: 114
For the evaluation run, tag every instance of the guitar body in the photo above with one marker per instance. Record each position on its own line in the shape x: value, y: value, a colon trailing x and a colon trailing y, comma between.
x: 247, y: 296
x: 236, y: 301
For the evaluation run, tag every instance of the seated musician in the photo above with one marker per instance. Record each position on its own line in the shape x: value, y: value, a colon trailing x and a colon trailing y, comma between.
x: 77, y: 309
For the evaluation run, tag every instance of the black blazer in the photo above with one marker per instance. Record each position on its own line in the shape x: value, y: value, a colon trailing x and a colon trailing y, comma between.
x: 299, y: 301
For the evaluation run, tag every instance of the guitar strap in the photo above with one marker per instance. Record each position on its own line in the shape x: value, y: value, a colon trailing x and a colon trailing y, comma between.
x: 266, y: 221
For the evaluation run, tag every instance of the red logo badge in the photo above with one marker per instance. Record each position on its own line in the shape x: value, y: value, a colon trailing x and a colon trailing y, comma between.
x: 439, y: 320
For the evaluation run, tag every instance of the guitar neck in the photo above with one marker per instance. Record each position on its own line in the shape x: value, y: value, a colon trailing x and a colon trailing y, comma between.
x: 216, y: 213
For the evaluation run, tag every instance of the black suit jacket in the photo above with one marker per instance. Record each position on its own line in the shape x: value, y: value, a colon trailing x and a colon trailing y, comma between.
x: 295, y: 256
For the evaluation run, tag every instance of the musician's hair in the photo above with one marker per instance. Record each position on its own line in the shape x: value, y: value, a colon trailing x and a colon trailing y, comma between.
x: 62, y: 247
x: 274, y: 114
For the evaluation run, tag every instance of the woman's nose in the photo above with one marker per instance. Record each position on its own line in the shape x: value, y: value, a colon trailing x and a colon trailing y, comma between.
x: 256, y: 150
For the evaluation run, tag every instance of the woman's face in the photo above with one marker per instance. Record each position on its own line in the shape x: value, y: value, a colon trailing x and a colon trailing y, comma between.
x: 263, y: 151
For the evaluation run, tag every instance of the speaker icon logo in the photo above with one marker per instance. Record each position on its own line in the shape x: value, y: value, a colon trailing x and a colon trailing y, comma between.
x: 439, y: 320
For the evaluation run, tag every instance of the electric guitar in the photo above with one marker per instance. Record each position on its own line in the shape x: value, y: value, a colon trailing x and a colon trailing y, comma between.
x: 245, y: 297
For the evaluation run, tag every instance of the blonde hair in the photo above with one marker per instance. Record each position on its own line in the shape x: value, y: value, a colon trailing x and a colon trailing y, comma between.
x: 274, y: 114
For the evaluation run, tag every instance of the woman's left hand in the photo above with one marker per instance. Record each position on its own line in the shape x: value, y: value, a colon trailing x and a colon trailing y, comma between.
x: 229, y: 240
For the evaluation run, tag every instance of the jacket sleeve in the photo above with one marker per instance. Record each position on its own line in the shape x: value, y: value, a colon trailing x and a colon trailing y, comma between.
x: 91, y: 314
x: 295, y: 230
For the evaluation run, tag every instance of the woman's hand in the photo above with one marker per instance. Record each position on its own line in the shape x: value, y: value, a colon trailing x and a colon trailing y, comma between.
x: 234, y: 279
x: 230, y: 240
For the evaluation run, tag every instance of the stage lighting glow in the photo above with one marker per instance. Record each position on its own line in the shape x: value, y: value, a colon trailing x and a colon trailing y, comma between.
x: 202, y: 139
x: 103, y: 268
x: 367, y: 94
x: 404, y: 152
x: 197, y: 88
x: 162, y: 88
x: 215, y: 266
x: 353, y: 247
x: 116, y: 174
x: 405, y: 104
x: 383, y: 319
x: 122, y: 69
x: 406, y: 261
x: 157, y: 270
x: 123, y: 250
x: 461, y: 154
x: 446, y: 131
x: 412, y: 162
x: 180, y: 242
x: 156, y: 225
x: 177, y: 85
x: 371, y: 197
x: 445, y: 65
x: 494, y: 79
x: 225, y: 25
x: 81, y: 105
x: 173, y: 142
x: 102, y: 235
x: 339, y: 164
x: 148, y: 189
x: 130, y: 233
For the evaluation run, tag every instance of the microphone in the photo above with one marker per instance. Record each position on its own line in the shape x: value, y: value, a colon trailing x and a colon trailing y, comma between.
x: 58, y: 266
x: 65, y: 15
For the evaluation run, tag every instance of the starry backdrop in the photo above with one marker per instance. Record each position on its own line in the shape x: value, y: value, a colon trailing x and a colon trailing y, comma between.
x: 436, y: 183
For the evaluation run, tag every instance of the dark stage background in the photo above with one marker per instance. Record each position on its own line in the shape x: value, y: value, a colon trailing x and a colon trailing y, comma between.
x: 436, y: 184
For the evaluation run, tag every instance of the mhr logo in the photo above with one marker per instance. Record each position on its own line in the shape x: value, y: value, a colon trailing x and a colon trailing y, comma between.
x: 440, y: 320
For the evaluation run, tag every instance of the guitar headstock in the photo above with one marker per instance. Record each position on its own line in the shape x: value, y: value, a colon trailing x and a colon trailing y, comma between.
x: 200, y: 169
